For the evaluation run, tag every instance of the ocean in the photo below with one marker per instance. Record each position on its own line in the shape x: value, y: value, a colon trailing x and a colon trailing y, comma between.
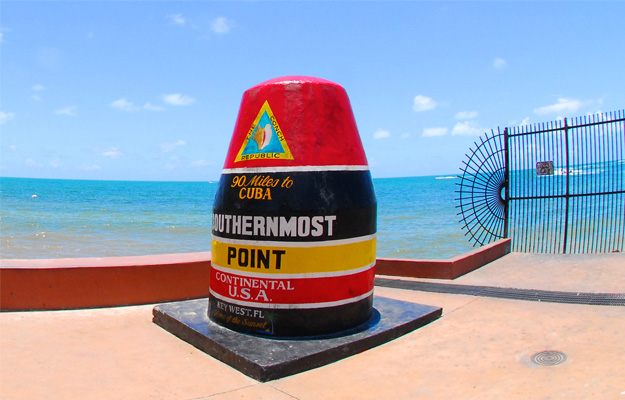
x: 53, y: 218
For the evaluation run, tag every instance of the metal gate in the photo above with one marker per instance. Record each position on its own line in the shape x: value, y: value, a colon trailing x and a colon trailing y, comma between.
x: 556, y: 187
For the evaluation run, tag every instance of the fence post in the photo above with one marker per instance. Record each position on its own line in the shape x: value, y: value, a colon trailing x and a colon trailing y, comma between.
x: 567, y: 192
x: 506, y: 184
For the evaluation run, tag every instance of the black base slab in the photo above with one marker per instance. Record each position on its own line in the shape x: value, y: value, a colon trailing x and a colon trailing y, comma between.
x: 269, y: 358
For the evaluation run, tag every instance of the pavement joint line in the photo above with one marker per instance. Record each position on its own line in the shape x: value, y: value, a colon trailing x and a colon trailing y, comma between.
x: 282, y: 391
x: 210, y: 396
x: 598, y: 299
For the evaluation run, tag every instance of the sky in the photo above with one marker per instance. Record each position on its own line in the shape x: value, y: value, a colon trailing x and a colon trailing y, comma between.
x: 150, y: 90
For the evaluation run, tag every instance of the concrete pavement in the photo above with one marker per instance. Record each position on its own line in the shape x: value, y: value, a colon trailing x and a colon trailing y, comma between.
x: 480, y: 348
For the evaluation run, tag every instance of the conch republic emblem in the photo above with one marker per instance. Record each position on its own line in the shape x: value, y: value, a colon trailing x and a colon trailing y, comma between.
x: 294, y: 217
x: 264, y: 139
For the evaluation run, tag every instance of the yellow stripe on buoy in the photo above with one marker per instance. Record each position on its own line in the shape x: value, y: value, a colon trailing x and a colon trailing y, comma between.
x: 293, y: 257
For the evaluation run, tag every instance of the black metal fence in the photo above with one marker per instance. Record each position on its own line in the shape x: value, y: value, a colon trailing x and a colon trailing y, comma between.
x: 556, y: 187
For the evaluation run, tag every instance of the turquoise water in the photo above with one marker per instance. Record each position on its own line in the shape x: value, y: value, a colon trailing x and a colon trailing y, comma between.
x: 49, y: 218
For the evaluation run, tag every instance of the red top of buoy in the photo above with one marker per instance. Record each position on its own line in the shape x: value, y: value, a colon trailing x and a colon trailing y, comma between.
x: 295, y: 121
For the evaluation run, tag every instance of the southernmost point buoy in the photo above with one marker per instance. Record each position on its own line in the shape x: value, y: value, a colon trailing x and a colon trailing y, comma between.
x: 294, y: 218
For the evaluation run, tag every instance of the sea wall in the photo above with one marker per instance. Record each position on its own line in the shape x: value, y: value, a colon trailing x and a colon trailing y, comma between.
x: 70, y: 283
x: 450, y: 268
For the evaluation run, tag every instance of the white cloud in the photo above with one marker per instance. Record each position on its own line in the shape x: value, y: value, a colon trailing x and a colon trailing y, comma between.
x: 13, y: 147
x: 177, y: 19
x: 111, y: 152
x: 467, y: 128
x: 124, y: 105
x: 170, y: 166
x: 69, y: 111
x: 563, y: 106
x: 169, y: 147
x: 93, y: 167
x: 30, y: 162
x: 515, y: 122
x: 432, y: 132
x: 37, y: 88
x: 405, y: 136
x: 466, y: 115
x: 221, y: 25
x: 6, y: 117
x: 151, y: 107
x: 178, y: 99
x: 499, y: 63
x: 55, y: 163
x: 381, y: 134
x: 2, y: 30
x: 423, y: 103
x: 199, y: 163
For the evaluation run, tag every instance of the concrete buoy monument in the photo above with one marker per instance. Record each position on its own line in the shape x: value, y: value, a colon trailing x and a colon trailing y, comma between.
x: 294, y: 217
x: 293, y: 241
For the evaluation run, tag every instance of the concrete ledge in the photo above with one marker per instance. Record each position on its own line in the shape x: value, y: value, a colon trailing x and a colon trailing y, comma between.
x: 69, y: 283
x: 444, y: 269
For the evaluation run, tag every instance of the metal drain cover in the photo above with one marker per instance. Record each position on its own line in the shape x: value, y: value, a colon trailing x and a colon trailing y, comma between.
x: 549, y: 358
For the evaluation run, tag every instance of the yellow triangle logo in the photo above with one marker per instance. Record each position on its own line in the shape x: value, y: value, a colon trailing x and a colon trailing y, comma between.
x: 264, y: 139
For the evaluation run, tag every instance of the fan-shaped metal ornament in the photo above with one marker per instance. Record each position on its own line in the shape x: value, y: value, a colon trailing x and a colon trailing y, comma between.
x: 482, y: 190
